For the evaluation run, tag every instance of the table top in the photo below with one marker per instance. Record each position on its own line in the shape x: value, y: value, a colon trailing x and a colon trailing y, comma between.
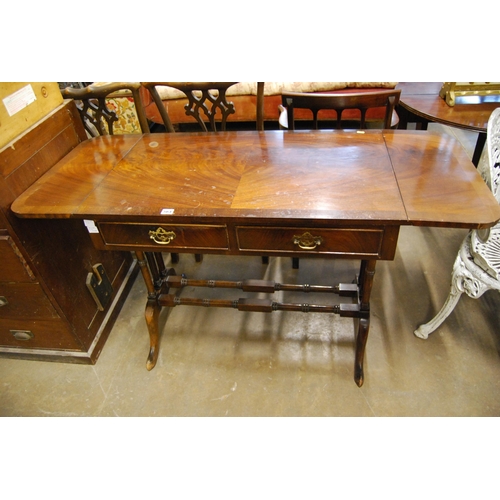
x: 470, y: 113
x: 372, y: 177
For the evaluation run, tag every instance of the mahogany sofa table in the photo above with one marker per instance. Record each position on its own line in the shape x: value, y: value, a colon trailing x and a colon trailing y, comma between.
x: 277, y: 193
x: 420, y: 103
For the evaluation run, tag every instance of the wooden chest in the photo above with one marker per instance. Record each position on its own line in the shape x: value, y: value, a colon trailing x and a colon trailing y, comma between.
x: 43, y: 261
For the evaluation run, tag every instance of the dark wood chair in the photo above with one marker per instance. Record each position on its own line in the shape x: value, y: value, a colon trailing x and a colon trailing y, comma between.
x: 92, y: 103
x: 207, y: 103
x: 354, y: 110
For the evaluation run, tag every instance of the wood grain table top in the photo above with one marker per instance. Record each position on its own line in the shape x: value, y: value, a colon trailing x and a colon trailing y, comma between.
x: 392, y: 177
x: 469, y: 113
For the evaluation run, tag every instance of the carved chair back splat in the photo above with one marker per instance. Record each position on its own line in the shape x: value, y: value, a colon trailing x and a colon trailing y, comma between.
x: 206, y: 102
x: 93, y: 108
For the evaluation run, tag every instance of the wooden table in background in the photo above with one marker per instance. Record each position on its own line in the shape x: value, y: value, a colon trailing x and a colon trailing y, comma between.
x: 278, y: 193
x: 420, y: 103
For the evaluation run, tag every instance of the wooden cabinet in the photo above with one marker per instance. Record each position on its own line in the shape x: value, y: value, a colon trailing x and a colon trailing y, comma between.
x: 46, y: 308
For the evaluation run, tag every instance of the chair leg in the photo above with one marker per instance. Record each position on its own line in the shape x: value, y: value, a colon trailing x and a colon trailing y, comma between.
x: 468, y: 278
x: 423, y: 331
x: 459, y: 277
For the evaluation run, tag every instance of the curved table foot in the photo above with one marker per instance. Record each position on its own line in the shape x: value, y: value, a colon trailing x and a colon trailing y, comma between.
x: 152, y: 314
x: 358, y: 375
x: 362, y: 337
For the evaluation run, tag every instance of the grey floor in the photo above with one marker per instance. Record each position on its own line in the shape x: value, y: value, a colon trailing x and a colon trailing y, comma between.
x: 216, y: 362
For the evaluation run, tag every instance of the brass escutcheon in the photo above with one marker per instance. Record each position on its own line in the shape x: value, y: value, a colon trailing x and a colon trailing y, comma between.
x: 161, y: 236
x: 307, y: 241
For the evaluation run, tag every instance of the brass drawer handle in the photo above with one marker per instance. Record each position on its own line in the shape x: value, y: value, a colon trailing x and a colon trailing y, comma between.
x: 3, y: 301
x: 161, y: 236
x: 307, y: 241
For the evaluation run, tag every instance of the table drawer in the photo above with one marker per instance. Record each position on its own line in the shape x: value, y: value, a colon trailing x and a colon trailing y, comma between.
x: 24, y: 300
x: 31, y: 334
x: 165, y: 236
x: 357, y: 242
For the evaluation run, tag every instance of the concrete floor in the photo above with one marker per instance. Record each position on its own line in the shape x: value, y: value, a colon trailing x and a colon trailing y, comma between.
x: 219, y: 362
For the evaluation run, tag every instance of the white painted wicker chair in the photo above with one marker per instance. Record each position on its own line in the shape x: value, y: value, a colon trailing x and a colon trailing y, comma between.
x: 477, y: 266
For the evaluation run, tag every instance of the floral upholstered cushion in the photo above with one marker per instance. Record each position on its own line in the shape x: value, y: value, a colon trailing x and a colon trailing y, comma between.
x: 124, y: 107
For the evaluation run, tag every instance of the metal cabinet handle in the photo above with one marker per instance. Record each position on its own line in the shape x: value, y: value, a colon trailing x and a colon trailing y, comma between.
x: 3, y: 301
x: 161, y: 236
x: 22, y: 334
x: 307, y: 241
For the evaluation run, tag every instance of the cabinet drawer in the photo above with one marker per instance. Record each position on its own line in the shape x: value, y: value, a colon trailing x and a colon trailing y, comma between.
x: 13, y: 267
x: 349, y: 242
x: 24, y: 300
x: 165, y: 236
x: 31, y: 334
